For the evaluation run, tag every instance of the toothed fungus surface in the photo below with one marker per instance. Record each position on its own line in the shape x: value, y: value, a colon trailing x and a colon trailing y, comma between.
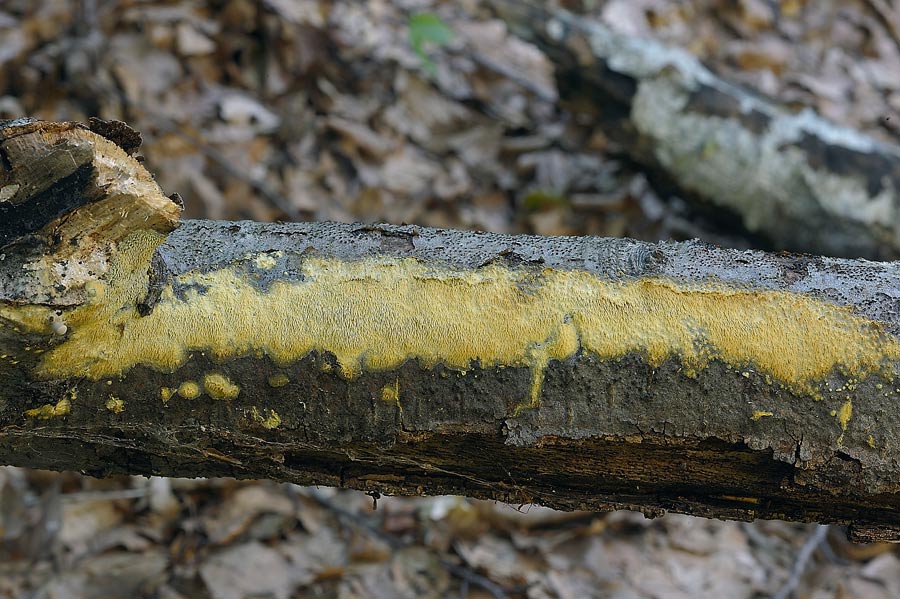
x: 375, y: 313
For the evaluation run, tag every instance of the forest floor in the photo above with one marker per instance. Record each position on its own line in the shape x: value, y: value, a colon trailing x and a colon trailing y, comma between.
x: 317, y: 110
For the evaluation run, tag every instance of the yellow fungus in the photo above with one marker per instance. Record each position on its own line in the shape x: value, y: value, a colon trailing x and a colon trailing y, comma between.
x: 757, y: 414
x: 844, y: 414
x: 189, y: 390
x: 376, y: 313
x: 270, y: 421
x: 165, y: 393
x: 279, y: 380
x: 218, y: 386
x: 47, y: 411
x: 871, y: 441
x: 115, y: 405
x: 391, y: 392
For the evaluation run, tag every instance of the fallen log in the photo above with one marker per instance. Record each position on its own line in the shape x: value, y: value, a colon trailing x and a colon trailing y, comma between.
x: 796, y: 180
x: 576, y: 372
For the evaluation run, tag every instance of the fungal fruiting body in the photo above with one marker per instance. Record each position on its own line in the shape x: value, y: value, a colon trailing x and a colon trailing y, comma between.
x: 219, y: 386
x: 375, y: 313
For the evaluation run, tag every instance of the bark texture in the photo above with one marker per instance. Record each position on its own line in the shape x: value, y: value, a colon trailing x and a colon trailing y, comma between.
x: 572, y: 372
x: 793, y: 178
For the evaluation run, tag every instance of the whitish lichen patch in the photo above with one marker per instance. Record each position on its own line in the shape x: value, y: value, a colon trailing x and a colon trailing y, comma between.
x: 265, y: 261
x: 376, y: 313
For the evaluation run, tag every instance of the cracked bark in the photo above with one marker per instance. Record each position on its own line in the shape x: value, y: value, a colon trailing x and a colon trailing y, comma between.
x: 793, y: 179
x: 706, y: 430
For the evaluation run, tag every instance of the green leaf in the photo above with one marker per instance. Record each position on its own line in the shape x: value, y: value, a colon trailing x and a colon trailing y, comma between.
x: 427, y: 28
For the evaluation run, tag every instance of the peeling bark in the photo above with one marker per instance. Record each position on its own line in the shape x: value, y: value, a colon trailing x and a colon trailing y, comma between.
x: 579, y: 373
x: 797, y: 180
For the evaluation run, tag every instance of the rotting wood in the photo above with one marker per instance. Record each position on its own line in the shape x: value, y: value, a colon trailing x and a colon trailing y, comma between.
x: 572, y: 372
x: 798, y: 181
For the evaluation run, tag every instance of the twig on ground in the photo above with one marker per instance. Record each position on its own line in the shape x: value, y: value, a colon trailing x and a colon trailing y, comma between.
x: 464, y: 573
x: 803, y: 557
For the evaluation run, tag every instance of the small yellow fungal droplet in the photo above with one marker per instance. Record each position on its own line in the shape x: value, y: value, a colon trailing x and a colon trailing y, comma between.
x: 115, y: 405
x: 166, y: 394
x: 269, y: 422
x: 746, y: 375
x: 834, y: 412
x: 760, y: 414
x: 871, y: 441
x: 47, y: 411
x: 279, y: 380
x: 391, y: 392
x: 844, y: 414
x: 189, y: 390
x: 219, y: 386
